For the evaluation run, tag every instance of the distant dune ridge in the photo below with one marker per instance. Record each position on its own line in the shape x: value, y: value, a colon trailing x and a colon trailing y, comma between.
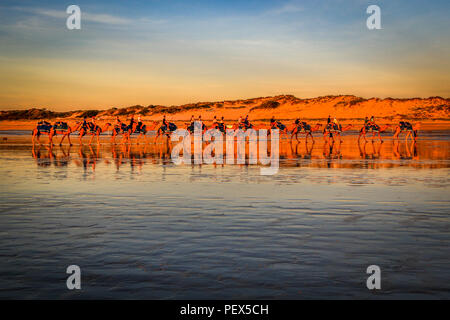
x: 283, y: 107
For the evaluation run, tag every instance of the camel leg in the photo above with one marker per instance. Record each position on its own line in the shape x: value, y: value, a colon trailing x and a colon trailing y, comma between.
x: 396, y: 133
x: 379, y: 136
x: 362, y: 133
x: 98, y: 138
x: 68, y: 138
x: 33, y: 137
x: 145, y: 138
x: 62, y: 139
x: 407, y: 136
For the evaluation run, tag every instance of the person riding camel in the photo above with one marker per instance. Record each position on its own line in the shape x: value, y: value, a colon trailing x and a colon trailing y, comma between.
x: 273, y: 123
x: 139, y: 123
x: 92, y: 124
x: 336, y: 124
x: 118, y: 125
x: 85, y: 124
x: 221, y: 124
x: 130, y: 126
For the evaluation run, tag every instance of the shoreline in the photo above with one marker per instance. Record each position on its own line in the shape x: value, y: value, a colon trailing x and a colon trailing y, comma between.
x: 13, y: 125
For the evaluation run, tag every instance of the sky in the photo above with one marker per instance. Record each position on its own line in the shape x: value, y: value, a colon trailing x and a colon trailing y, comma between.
x: 174, y: 52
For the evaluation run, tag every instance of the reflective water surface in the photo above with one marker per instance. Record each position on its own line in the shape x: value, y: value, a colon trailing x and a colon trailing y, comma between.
x: 140, y: 226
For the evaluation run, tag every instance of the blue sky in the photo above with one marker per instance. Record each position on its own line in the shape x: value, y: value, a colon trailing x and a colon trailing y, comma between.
x: 173, y: 52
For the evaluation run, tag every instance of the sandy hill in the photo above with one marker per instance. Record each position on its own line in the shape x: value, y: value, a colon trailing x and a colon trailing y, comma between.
x: 283, y: 107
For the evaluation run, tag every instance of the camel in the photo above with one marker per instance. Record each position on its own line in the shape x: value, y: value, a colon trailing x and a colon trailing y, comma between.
x: 278, y: 125
x: 404, y: 126
x: 127, y: 131
x: 374, y: 128
x: 303, y: 128
x: 44, y: 127
x: 119, y: 129
x: 95, y: 131
x: 190, y: 127
x: 165, y: 129
x: 334, y: 128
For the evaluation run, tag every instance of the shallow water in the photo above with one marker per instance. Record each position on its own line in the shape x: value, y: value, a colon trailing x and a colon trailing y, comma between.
x: 140, y: 226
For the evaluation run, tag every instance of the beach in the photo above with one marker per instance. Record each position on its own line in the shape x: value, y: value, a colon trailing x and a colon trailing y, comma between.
x: 140, y: 226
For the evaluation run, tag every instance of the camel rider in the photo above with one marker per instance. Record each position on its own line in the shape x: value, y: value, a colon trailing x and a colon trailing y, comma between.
x: 139, y: 123
x: 85, y: 124
x: 199, y: 123
x: 273, y: 122
x: 329, y: 119
x: 192, y: 119
x: 92, y: 124
x: 221, y: 124
x: 118, y: 125
x: 336, y: 124
x: 130, y: 126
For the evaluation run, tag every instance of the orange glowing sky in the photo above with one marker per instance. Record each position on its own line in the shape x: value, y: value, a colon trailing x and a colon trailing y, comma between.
x: 174, y: 53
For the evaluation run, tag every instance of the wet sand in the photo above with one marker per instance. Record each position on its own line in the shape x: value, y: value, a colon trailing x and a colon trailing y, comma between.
x: 140, y: 226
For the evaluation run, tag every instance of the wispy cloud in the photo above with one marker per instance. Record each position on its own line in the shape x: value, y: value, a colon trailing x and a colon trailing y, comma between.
x: 86, y: 16
x: 290, y: 7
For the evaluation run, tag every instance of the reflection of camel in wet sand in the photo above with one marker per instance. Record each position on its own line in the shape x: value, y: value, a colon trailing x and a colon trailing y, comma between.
x: 44, y: 127
x: 304, y: 128
x: 376, y: 153
x: 45, y: 159
x: 374, y: 128
x: 308, y: 150
x: 405, y: 126
x: 93, y: 132
x: 328, y: 152
x: 89, y: 159
x: 411, y: 150
x: 332, y: 129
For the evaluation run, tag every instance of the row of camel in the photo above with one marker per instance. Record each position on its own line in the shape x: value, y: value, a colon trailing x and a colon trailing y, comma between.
x: 331, y: 130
